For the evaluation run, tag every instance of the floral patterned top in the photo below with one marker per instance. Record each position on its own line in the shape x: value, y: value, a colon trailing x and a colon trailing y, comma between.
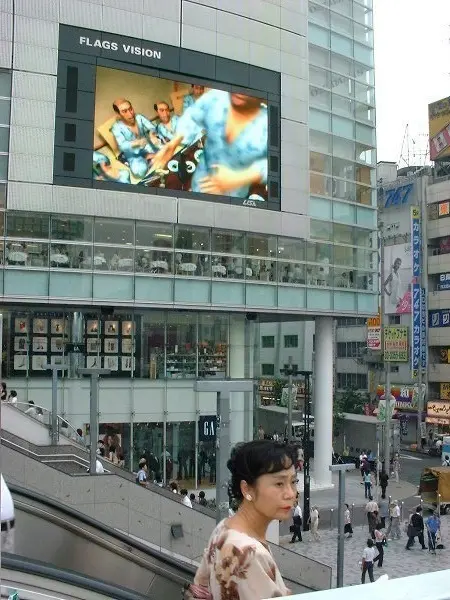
x: 236, y: 566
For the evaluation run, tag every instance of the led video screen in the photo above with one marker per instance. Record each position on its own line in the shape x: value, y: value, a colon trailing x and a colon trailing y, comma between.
x: 155, y: 132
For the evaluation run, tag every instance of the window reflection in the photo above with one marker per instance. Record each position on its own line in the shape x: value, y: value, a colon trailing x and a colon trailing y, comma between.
x: 181, y: 358
x: 290, y: 272
x: 212, y: 345
x: 26, y: 254
x: 154, y: 261
x: 77, y: 229
x: 193, y: 238
x: 114, y: 231
x: 158, y: 235
x: 231, y: 242
x: 113, y: 259
x: 27, y: 225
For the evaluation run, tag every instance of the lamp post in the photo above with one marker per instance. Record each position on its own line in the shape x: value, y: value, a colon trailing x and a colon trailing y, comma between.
x: 306, y: 448
x: 342, y: 469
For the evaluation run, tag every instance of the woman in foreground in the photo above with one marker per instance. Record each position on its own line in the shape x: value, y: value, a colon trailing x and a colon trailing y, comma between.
x: 237, y: 563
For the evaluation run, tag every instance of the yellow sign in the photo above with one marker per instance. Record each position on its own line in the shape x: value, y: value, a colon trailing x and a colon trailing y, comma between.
x: 445, y: 391
x: 415, y: 213
x: 438, y: 409
x: 374, y: 321
x: 396, y: 344
x: 439, y: 127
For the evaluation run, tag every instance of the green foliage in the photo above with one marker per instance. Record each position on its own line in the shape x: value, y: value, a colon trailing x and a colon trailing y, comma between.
x: 350, y: 401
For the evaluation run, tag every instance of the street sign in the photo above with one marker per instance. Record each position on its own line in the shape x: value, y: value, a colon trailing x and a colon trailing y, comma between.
x: 75, y: 348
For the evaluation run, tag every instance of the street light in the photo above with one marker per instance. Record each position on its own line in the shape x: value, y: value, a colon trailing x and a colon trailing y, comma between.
x: 342, y: 469
x: 290, y: 372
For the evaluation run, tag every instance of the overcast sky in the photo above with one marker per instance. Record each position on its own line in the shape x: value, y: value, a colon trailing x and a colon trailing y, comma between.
x: 412, y: 69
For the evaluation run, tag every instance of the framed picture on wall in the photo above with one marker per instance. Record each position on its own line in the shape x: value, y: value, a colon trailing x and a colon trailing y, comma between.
x: 127, y: 346
x: 93, y: 346
x: 111, y: 363
x: 56, y: 360
x: 111, y: 345
x: 40, y: 325
x: 38, y: 362
x: 58, y: 326
x: 57, y: 344
x: 93, y: 362
x: 92, y: 327
x: 127, y: 363
x: 39, y: 344
x: 111, y: 327
x: 127, y: 327
x: 20, y: 325
x: 20, y: 343
x: 20, y: 362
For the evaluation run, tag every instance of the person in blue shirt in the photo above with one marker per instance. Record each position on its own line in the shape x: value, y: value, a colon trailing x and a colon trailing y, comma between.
x: 135, y: 136
x: 166, y: 128
x: 190, y: 99
x: 235, y: 153
x: 433, y: 524
x: 102, y: 169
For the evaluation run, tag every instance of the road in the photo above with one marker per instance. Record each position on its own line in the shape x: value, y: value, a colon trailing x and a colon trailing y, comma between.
x: 412, y: 464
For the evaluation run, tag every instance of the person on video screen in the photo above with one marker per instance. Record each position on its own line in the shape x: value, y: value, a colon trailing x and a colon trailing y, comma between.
x: 167, y: 125
x: 135, y: 136
x: 235, y: 154
x: 190, y: 99
x: 104, y: 170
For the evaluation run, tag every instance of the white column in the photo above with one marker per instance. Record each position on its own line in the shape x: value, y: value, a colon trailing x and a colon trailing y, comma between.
x: 236, y: 357
x: 323, y: 397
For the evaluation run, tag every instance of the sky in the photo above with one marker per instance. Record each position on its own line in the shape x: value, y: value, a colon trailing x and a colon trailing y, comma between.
x: 412, y: 69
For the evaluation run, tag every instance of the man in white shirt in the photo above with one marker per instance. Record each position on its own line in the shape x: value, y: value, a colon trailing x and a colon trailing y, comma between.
x: 297, y: 519
x: 368, y: 557
x: 7, y: 518
x: 185, y: 499
x: 372, y: 513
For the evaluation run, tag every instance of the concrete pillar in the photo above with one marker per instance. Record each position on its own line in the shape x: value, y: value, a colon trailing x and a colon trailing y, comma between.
x: 323, y: 396
x: 76, y: 360
x: 237, y: 362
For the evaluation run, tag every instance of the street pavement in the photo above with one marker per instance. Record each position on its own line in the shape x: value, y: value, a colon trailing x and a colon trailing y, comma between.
x: 398, y: 562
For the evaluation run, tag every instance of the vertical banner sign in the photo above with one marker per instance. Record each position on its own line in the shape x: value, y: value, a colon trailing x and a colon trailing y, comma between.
x: 423, y: 328
x: 416, y: 309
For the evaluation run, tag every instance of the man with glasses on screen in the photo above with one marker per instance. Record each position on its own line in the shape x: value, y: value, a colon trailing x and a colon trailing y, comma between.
x: 135, y: 136
x: 235, y: 154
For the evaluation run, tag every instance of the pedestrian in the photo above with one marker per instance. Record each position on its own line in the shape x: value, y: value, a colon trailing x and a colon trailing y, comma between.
x: 141, y: 476
x: 380, y: 540
x: 433, y: 526
x: 261, y: 433
x: 367, y: 485
x: 372, y: 514
x: 192, y: 498
x: 368, y: 557
x: 3, y: 391
x: 396, y: 467
x: 202, y: 498
x: 13, y: 398
x: 314, y: 523
x: 415, y: 528
x: 184, y: 498
x: 446, y: 461
x: 297, y: 523
x: 7, y: 518
x: 384, y: 478
x: 300, y: 458
x: 393, y: 529
x: 383, y: 512
x: 348, y: 522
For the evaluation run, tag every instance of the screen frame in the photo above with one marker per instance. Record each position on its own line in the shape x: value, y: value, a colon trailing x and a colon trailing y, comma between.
x: 75, y: 104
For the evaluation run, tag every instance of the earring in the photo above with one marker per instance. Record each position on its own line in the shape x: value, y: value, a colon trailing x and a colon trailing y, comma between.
x: 248, y: 497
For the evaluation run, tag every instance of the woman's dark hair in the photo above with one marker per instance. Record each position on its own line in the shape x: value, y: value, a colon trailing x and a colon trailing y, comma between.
x: 250, y: 460
x: 3, y: 385
x: 370, y: 543
x: 201, y: 494
x: 347, y: 505
x: 112, y: 449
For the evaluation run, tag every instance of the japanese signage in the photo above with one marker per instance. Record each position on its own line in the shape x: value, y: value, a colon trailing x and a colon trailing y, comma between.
x: 374, y: 333
x: 396, y: 344
x: 398, y: 195
x: 416, y: 240
x: 416, y: 329
x: 444, y: 281
x: 439, y: 128
x: 445, y: 391
x: 444, y: 209
x: 439, y: 318
x: 437, y: 420
x: 207, y: 428
x: 382, y: 409
x: 438, y: 409
x: 423, y: 328
x: 405, y: 395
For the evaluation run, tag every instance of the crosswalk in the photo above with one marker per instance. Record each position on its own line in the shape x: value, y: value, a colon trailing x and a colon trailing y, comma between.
x: 409, y: 457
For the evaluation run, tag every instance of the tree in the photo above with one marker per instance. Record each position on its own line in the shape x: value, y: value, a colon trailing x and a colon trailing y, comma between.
x: 350, y: 401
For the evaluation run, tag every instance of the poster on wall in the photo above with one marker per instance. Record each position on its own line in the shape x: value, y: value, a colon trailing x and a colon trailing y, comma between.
x: 397, y: 279
x: 155, y: 132
x: 439, y: 128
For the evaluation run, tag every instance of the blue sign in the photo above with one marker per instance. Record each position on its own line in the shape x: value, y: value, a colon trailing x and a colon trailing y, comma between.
x: 398, y: 196
x: 439, y: 318
x: 416, y: 239
x: 416, y: 336
x: 423, y: 328
x: 444, y: 281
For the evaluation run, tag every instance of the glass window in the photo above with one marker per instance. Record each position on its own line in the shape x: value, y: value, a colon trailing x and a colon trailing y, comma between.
x: 258, y: 269
x: 154, y: 261
x: 342, y: 84
x: 291, y: 249
x: 192, y: 263
x: 344, y: 255
x: 365, y: 134
x: 364, y: 74
x: 5, y: 84
x: 362, y: 14
x: 4, y: 111
x: 321, y: 163
x: 319, y: 35
x: 344, y: 189
x: 362, y: 237
x: 321, y: 142
x: 341, y: 24
x: 27, y: 225
x: 343, y: 148
x: 267, y: 369
x: 180, y: 449
x: 363, y: 54
x: 319, y: 56
x: 153, y: 344
x: 192, y: 238
x: 71, y: 228
x: 319, y: 120
x: 341, y: 44
x: 363, y: 34
x: 113, y: 259
x: 343, y: 6
x: 365, y: 93
x: 319, y: 14
x: 291, y: 341
x: 319, y: 97
x: 321, y: 230
x: 3, y: 167
x: 343, y: 127
x: 4, y: 139
x: 344, y: 106
x: 2, y: 196
x: 261, y: 245
x: 291, y: 272
x: 148, y: 442
x: 320, y: 184
x: 343, y: 234
x: 344, y: 169
x: 212, y: 345
x: 75, y: 256
x: 181, y: 348
x: 364, y: 112
x: 113, y: 231
x: 231, y: 242
x: 363, y: 194
x: 268, y: 341
x: 341, y: 65
x: 29, y: 254
x: 158, y: 235
x: 319, y: 77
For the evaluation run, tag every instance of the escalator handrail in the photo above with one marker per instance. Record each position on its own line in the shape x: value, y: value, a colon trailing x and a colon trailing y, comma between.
x: 186, y: 568
x: 30, y: 566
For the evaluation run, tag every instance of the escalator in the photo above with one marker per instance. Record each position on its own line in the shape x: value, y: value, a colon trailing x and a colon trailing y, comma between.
x: 64, y: 539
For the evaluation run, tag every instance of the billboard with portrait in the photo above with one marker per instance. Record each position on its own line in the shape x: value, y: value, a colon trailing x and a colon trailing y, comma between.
x: 397, y: 278
x: 439, y: 127
x: 156, y: 132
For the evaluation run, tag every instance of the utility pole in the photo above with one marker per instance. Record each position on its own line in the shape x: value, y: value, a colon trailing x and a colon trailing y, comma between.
x: 387, y: 364
x: 306, y: 448
x: 289, y: 373
x: 341, y: 469
x: 54, y: 422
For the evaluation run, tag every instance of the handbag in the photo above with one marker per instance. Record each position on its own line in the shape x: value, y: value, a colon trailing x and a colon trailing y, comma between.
x: 411, y: 531
x: 291, y: 528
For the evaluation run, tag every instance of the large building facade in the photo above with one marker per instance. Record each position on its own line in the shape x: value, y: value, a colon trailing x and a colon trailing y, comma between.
x: 260, y: 204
